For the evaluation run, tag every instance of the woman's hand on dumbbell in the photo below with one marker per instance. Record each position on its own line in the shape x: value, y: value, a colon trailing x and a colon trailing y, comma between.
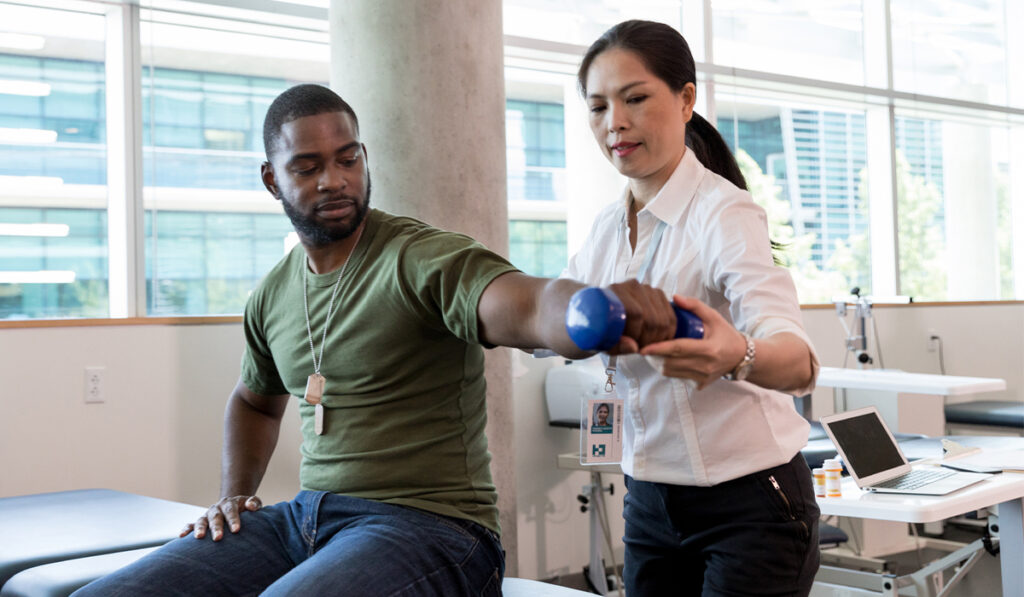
x: 649, y: 317
x: 704, y: 360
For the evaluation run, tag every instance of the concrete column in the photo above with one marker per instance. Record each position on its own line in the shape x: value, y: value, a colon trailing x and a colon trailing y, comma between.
x: 426, y: 80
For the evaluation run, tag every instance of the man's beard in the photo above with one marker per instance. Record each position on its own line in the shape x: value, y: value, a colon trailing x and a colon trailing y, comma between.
x: 318, y: 234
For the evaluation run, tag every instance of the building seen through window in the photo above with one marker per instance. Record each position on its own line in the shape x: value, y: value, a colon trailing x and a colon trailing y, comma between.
x: 535, y: 154
x: 53, y: 163
x: 808, y: 168
x: 214, y: 231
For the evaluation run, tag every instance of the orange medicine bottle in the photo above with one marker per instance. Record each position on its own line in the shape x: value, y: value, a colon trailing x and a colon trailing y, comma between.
x: 819, y: 482
x: 833, y: 470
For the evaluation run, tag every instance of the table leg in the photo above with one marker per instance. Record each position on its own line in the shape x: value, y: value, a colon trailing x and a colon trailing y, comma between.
x: 596, y: 572
x: 1011, y: 546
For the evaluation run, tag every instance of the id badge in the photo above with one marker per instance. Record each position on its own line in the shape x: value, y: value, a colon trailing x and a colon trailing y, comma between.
x: 601, y: 430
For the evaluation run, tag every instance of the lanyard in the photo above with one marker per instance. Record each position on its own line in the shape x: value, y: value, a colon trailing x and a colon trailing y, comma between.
x: 659, y: 231
x: 652, y: 247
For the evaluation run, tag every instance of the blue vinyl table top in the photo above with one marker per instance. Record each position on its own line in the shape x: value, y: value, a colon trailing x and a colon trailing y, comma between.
x: 49, y: 527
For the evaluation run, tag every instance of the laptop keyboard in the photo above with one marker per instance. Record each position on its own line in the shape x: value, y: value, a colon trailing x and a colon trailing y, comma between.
x: 915, y: 478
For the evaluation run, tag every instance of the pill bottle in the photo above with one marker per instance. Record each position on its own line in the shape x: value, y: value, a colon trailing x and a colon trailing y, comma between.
x: 833, y: 470
x: 819, y: 482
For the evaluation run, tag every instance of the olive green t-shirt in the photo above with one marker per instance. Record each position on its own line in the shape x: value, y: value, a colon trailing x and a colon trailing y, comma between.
x: 404, y: 409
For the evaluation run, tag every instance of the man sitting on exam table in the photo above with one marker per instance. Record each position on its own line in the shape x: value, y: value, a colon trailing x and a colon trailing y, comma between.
x: 378, y: 321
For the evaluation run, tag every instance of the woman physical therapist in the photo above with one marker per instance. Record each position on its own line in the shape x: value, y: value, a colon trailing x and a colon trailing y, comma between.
x: 720, y: 500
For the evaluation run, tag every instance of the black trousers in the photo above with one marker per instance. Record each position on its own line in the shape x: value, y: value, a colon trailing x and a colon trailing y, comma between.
x: 741, y: 537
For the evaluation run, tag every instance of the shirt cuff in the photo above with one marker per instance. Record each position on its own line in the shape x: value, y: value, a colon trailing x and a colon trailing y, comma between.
x: 775, y: 325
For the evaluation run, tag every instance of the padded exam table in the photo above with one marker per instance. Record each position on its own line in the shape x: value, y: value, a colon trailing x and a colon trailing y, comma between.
x: 53, y: 527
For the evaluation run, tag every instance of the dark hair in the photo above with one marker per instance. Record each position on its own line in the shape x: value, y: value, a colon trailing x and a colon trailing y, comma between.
x: 297, y: 102
x: 667, y: 55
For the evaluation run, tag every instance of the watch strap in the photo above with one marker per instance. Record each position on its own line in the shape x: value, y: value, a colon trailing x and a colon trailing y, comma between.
x: 742, y: 369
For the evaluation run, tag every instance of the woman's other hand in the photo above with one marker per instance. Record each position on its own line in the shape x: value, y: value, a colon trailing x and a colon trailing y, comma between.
x: 706, y: 360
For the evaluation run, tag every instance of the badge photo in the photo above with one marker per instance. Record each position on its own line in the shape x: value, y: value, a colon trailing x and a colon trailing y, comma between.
x: 601, y: 430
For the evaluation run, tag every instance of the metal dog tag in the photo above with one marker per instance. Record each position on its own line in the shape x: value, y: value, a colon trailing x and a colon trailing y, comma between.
x: 314, y: 396
x: 315, y: 388
x: 318, y: 419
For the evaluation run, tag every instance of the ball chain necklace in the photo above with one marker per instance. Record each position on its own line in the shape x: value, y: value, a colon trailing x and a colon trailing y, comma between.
x: 315, y: 382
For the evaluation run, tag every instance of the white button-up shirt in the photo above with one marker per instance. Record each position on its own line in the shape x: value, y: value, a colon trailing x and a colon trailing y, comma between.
x: 715, y: 248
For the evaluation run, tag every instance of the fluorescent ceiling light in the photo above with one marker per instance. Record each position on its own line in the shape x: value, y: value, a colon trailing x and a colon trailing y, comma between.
x: 33, y: 88
x: 34, y: 229
x: 317, y: 3
x: 38, y: 277
x: 21, y: 41
x: 34, y: 183
x: 33, y: 136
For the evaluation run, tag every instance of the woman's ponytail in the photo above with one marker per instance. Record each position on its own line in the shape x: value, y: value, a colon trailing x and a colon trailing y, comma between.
x: 709, y: 147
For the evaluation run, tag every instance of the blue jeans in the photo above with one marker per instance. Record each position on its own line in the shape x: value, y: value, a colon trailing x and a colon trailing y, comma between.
x: 322, y: 544
x: 742, y: 537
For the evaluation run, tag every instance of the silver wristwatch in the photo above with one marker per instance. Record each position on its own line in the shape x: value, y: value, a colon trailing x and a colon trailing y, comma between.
x: 742, y: 370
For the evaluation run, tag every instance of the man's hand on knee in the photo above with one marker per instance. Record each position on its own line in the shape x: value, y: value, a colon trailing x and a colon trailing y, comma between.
x: 226, y: 510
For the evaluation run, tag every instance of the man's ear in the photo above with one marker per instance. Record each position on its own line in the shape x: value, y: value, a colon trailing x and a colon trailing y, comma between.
x: 267, y: 175
x: 366, y: 156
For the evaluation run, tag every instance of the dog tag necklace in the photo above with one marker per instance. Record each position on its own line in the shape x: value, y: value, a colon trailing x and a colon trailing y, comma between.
x: 316, y: 381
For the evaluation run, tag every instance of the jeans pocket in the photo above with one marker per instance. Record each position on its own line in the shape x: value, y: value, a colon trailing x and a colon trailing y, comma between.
x: 493, y: 586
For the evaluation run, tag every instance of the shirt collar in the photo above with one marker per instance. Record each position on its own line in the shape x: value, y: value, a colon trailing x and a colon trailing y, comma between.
x: 677, y: 193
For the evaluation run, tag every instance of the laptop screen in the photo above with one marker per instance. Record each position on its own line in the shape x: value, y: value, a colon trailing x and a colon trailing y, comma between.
x: 868, y: 448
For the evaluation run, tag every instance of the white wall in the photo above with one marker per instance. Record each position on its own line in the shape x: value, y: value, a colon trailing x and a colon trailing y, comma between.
x: 159, y: 432
x: 978, y: 341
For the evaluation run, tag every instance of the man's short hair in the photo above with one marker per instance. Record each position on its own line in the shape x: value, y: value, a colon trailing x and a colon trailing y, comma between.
x: 299, y: 101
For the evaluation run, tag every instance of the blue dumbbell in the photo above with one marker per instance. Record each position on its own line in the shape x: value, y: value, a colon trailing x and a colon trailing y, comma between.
x: 596, y: 318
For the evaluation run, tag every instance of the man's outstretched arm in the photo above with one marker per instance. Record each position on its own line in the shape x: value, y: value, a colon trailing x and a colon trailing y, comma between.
x: 252, y: 423
x: 526, y: 312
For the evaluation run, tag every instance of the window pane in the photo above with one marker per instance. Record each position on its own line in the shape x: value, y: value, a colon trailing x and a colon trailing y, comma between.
x: 580, y: 22
x: 212, y: 230
x: 805, y: 166
x: 955, y: 212
x: 535, y: 150
x: 820, y: 40
x: 53, y: 166
x: 951, y: 49
x: 538, y: 247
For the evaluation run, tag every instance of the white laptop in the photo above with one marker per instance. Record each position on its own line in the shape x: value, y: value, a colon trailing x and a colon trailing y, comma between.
x: 876, y: 463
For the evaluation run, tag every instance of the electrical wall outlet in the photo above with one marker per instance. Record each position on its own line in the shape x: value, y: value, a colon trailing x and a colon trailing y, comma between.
x: 933, y: 340
x: 94, y: 384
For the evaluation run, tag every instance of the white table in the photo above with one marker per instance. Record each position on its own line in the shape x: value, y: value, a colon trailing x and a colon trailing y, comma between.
x: 908, y: 402
x: 1004, y: 490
